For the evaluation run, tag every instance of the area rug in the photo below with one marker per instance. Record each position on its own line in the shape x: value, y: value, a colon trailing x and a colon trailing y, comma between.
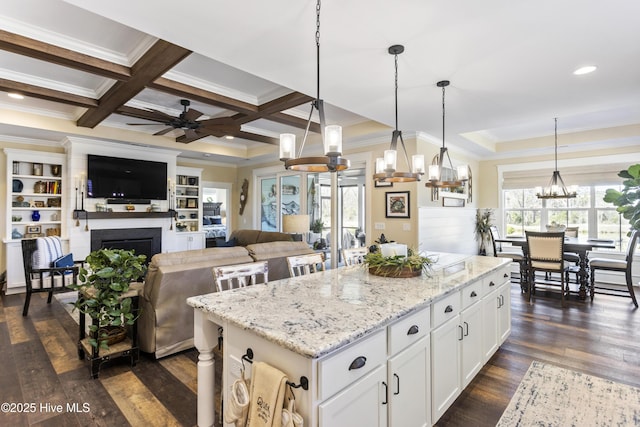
x: 553, y: 396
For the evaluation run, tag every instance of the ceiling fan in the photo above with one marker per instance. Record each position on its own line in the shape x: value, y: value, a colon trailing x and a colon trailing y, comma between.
x: 187, y: 122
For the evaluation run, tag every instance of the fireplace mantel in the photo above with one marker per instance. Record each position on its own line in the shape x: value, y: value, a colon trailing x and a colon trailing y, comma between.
x: 121, y: 215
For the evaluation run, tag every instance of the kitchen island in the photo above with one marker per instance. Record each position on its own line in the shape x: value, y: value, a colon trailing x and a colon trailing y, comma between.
x: 355, y: 337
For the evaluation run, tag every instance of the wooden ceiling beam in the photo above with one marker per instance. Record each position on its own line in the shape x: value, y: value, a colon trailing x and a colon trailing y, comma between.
x: 47, y: 94
x: 196, y: 94
x: 159, y: 59
x: 58, y: 55
x: 286, y: 119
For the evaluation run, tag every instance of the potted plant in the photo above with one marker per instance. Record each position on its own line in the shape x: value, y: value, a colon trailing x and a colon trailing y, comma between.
x: 627, y: 200
x: 484, y: 220
x: 316, y: 231
x: 102, y: 284
x: 412, y: 265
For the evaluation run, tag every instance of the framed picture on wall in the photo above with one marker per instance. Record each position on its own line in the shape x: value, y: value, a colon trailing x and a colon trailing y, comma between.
x: 379, y: 184
x: 397, y: 204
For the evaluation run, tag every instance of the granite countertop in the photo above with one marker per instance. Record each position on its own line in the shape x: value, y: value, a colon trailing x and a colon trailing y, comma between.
x: 316, y: 314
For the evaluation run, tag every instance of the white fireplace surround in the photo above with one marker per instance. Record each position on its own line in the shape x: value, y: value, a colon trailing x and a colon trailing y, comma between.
x: 80, y: 234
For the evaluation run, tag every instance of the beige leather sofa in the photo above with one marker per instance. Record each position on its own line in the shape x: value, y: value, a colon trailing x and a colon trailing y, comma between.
x: 165, y: 325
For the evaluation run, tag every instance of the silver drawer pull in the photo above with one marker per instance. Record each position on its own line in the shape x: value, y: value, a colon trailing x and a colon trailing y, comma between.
x: 449, y: 309
x: 413, y: 330
x: 358, y: 363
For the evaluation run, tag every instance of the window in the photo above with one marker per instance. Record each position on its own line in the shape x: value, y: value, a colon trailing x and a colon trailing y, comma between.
x: 523, y: 211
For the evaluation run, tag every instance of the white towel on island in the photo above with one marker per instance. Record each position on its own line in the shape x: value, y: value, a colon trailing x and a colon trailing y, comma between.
x: 268, y: 386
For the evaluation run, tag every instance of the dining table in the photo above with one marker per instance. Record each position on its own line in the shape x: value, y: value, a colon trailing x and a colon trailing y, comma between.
x: 577, y: 245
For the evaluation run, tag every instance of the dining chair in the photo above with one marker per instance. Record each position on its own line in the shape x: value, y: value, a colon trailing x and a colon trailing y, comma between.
x: 509, y: 251
x: 240, y: 275
x: 300, y: 265
x: 625, y: 266
x: 572, y: 257
x: 354, y: 256
x: 545, y: 253
x: 46, y: 268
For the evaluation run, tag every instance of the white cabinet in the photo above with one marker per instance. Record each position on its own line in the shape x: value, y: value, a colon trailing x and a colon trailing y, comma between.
x: 401, y: 395
x: 445, y: 366
x: 409, y: 386
x: 496, y: 312
x: 504, y: 311
x: 361, y: 404
x: 471, y: 353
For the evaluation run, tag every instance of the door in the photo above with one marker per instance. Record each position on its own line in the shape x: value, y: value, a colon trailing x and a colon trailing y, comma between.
x: 362, y: 404
x: 445, y: 366
x: 472, y: 355
x: 409, y: 386
x: 490, y: 329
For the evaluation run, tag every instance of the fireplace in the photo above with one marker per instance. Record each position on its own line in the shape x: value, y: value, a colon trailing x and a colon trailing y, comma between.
x: 144, y: 241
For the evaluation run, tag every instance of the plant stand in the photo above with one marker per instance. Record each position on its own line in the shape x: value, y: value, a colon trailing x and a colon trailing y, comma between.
x: 126, y: 348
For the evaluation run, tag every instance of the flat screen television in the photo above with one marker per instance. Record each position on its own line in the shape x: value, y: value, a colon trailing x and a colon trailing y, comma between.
x: 126, y: 179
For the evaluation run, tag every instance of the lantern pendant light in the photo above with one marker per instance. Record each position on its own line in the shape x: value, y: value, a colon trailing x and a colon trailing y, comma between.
x: 386, y: 166
x: 556, y: 188
x: 332, y: 161
x: 441, y: 174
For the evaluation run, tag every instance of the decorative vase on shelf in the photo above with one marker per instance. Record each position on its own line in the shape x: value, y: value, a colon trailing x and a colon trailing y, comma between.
x: 35, y: 216
x: 15, y: 234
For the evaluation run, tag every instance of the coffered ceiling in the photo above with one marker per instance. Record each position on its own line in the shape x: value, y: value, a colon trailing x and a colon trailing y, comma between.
x: 91, y: 68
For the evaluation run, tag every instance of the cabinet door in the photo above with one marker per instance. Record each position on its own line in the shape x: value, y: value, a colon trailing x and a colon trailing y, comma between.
x: 361, y: 404
x: 409, y: 386
x: 490, y: 305
x: 472, y: 352
x: 445, y: 366
x: 504, y: 312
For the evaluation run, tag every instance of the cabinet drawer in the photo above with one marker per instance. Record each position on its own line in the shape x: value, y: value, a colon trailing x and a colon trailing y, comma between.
x: 445, y: 309
x: 471, y: 294
x: 495, y: 279
x: 350, y: 364
x: 408, y: 330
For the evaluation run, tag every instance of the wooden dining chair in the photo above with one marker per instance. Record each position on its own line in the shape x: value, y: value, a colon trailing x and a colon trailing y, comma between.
x: 572, y: 257
x: 607, y: 264
x: 240, y: 275
x: 509, y: 251
x: 354, y: 256
x: 545, y: 253
x: 300, y: 265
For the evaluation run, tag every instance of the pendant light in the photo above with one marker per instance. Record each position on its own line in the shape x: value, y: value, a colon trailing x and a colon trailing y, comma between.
x: 556, y: 188
x: 386, y: 166
x: 441, y: 171
x: 331, y: 135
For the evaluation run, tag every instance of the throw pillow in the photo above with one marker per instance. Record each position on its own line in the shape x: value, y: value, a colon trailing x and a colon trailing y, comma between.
x: 49, y: 249
x: 216, y: 221
x: 64, y: 261
x: 206, y: 220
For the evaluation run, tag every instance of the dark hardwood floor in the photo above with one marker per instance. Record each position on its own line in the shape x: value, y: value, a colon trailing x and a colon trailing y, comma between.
x: 40, y: 365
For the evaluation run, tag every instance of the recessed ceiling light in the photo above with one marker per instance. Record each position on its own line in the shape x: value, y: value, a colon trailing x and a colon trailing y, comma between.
x: 585, y: 70
x: 228, y: 136
x: 15, y: 95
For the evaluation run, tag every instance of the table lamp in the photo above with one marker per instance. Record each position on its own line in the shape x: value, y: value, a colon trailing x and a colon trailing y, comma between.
x: 298, y: 225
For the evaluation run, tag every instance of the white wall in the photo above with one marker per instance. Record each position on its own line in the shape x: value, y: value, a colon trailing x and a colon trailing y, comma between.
x: 447, y: 230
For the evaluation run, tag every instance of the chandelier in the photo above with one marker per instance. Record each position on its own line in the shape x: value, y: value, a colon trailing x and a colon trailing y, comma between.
x: 331, y: 135
x: 441, y: 171
x: 386, y: 166
x: 556, y: 188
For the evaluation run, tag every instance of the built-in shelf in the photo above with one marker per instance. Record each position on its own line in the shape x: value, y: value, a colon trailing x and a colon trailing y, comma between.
x: 121, y: 215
